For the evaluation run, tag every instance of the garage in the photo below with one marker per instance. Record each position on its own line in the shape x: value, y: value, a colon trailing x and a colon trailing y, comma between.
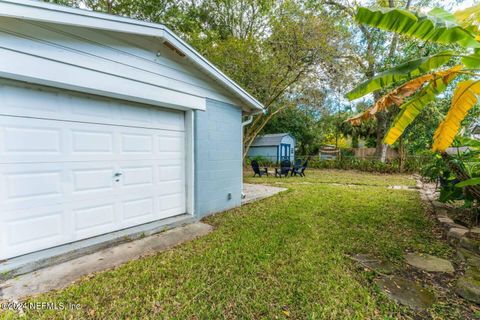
x: 110, y: 129
x: 73, y: 167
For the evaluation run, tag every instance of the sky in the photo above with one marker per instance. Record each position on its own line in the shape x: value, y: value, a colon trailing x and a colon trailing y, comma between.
x: 464, y: 4
x: 448, y: 4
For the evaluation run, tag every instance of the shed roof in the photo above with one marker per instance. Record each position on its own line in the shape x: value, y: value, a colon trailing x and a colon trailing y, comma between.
x: 269, y: 139
x: 457, y: 150
x: 46, y: 12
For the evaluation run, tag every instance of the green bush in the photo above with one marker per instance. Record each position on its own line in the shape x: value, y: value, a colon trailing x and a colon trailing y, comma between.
x: 262, y: 161
x: 412, y: 164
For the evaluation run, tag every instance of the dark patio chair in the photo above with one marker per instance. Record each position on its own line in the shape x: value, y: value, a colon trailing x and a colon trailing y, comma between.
x: 284, y: 170
x: 257, y: 170
x: 297, y: 166
x: 300, y: 171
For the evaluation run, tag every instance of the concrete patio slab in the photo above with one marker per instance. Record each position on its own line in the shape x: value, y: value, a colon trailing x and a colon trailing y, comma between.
x: 45, y: 258
x: 254, y: 192
x: 61, y: 275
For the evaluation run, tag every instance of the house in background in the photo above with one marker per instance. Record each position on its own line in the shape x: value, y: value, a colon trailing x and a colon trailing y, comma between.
x: 328, y: 152
x: 476, y: 132
x: 274, y: 147
x: 108, y: 127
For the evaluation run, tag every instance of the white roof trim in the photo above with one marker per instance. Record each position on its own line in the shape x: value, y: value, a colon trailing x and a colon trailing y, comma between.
x: 46, y: 12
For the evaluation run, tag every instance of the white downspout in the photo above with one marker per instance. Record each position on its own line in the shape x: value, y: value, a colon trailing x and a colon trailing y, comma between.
x: 245, y: 123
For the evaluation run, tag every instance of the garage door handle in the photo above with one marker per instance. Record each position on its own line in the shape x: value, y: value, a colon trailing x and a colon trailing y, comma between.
x: 118, y: 174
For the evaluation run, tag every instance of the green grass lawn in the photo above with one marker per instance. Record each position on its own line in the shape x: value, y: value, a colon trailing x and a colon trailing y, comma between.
x: 283, y: 257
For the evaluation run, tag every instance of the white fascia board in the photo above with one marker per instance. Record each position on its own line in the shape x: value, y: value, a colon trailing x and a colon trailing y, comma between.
x: 50, y: 13
x: 45, y: 12
x: 197, y: 59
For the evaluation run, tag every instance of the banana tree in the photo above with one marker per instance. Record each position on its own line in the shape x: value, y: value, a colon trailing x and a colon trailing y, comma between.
x: 414, y: 84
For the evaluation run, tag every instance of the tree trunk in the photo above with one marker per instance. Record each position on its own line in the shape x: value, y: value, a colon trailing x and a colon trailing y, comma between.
x: 381, y: 148
x: 354, y: 139
x: 401, y: 154
x: 461, y: 175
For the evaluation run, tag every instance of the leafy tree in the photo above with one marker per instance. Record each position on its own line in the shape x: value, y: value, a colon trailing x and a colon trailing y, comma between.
x: 271, y: 48
x: 365, y: 130
x: 301, y: 123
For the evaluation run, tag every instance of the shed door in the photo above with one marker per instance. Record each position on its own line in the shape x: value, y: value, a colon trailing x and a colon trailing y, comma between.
x: 74, y: 167
x: 284, y: 151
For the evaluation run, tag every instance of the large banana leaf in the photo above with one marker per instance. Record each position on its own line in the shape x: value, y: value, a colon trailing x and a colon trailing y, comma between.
x: 398, y: 95
x: 395, y: 96
x: 469, y: 182
x: 410, y: 110
x: 435, y: 26
x: 399, y: 73
x: 464, y: 98
x: 472, y: 61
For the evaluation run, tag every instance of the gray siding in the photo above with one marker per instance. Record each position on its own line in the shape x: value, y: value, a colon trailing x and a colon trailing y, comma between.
x: 218, y: 158
x: 135, y: 57
x: 268, y: 152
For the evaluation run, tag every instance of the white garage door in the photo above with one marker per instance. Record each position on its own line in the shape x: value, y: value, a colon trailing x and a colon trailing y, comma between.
x: 73, y: 167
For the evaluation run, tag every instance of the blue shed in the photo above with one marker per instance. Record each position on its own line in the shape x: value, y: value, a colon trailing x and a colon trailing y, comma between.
x: 275, y: 147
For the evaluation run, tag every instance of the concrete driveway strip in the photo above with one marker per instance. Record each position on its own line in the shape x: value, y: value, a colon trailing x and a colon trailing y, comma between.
x: 61, y: 275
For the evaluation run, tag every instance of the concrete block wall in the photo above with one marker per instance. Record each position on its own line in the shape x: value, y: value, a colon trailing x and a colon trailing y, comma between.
x: 218, y: 158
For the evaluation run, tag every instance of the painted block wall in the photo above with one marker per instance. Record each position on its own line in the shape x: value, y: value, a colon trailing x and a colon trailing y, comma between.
x: 218, y: 158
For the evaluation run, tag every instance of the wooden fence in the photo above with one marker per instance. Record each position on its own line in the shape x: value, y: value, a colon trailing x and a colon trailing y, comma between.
x: 369, y: 153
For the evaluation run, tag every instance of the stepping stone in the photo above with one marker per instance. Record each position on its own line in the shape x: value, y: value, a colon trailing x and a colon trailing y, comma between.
x: 407, y: 188
x: 438, y: 204
x: 470, y: 244
x: 429, y: 263
x: 448, y: 223
x: 406, y: 292
x: 474, y: 233
x: 444, y: 220
x: 373, y: 263
x: 468, y: 288
x: 442, y: 212
x: 456, y: 233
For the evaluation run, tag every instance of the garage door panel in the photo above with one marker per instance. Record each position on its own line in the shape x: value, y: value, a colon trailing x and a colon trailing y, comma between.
x: 138, y: 176
x: 93, y: 220
x: 27, y: 139
x: 89, y: 109
x: 46, y: 226
x: 93, y: 180
x: 172, y: 201
x: 170, y: 187
x: 23, y: 186
x: 139, y: 210
x: 137, y: 143
x: 170, y: 143
x: 38, y: 140
x: 171, y: 173
x: 31, y: 101
x: 34, y: 229
x: 92, y: 141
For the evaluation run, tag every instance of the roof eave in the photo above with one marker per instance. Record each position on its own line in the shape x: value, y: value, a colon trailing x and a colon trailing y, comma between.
x: 46, y: 12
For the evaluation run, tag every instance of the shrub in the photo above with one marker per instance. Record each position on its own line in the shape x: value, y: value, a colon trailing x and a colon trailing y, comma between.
x: 412, y: 164
x: 262, y: 161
